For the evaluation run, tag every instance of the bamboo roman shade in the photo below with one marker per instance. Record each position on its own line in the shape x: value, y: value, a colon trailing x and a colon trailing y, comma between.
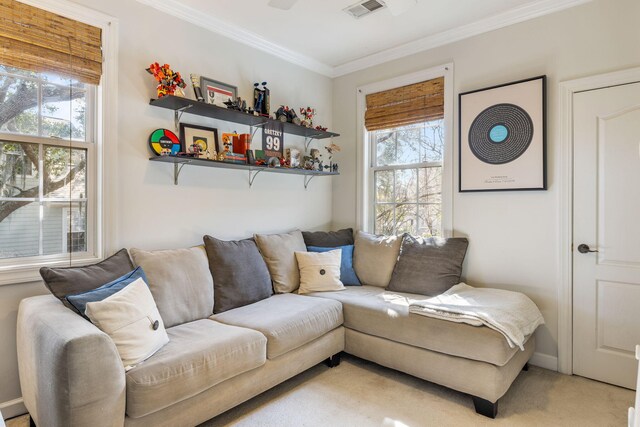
x: 34, y: 39
x: 406, y: 105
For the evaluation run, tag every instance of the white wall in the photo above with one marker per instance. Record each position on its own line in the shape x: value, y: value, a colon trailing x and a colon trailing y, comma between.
x: 513, y: 235
x: 150, y: 212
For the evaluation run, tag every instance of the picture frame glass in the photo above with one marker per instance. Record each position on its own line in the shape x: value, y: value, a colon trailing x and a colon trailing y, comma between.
x: 199, y: 139
x: 216, y: 92
x: 502, y: 141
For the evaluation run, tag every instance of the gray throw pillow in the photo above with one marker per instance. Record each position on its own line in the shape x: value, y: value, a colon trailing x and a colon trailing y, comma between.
x: 180, y: 282
x: 62, y: 281
x: 328, y: 239
x: 240, y: 275
x: 428, y: 266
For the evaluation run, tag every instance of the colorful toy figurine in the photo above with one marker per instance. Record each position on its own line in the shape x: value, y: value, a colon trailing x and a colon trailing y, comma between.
x: 261, y: 99
x: 307, y: 116
x: 169, y: 82
x: 286, y: 114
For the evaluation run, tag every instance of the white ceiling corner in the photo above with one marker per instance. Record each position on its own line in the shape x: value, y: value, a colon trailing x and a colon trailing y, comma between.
x: 510, y: 16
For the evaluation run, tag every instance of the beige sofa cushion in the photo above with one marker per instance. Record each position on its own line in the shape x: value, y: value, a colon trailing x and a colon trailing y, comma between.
x: 374, y: 258
x: 287, y: 320
x: 385, y: 314
x: 180, y: 283
x: 199, y: 355
x: 278, y: 251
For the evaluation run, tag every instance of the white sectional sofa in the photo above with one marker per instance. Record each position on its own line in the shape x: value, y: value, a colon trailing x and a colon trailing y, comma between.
x: 71, y: 373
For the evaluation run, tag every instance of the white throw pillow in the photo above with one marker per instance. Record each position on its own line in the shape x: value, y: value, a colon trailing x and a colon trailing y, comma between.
x: 130, y: 317
x: 319, y: 271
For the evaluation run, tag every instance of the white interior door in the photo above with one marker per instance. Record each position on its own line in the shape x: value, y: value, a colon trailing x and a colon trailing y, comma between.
x: 606, y: 219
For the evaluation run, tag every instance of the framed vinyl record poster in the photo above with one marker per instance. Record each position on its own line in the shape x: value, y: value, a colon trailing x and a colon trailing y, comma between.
x: 502, y: 133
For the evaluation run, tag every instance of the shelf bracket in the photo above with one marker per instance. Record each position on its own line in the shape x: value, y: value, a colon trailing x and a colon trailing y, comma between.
x: 177, y: 115
x: 307, y: 142
x: 307, y: 180
x: 254, y: 131
x: 252, y: 176
x: 177, y: 168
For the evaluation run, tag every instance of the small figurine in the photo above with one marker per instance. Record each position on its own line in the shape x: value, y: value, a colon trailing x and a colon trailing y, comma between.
x: 197, y: 90
x: 261, y: 99
x: 169, y: 82
x: 286, y: 114
x: 307, y: 114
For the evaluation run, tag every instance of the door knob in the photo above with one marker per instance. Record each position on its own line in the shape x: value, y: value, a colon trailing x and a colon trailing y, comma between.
x: 585, y: 249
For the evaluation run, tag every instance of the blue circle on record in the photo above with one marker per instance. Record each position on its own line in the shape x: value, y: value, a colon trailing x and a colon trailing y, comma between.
x: 498, y: 134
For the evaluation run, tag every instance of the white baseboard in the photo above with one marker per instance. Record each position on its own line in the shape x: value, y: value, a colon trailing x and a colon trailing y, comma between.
x: 544, y: 361
x: 13, y: 408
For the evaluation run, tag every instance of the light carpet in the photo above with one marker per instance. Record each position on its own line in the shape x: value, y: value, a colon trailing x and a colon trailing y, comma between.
x: 359, y: 393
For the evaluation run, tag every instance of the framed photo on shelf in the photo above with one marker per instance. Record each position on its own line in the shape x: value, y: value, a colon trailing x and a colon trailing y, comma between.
x: 216, y: 92
x: 194, y: 137
x: 502, y: 131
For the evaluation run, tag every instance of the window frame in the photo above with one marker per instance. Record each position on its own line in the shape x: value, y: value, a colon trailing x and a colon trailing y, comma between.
x: 366, y: 166
x: 372, y: 203
x: 90, y: 145
x: 23, y: 270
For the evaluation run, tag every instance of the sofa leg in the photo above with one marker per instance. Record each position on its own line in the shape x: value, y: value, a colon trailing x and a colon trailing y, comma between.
x: 484, y: 407
x: 333, y: 361
x: 525, y: 367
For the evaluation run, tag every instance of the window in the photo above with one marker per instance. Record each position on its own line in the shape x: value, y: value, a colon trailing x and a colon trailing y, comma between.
x: 408, y: 179
x: 406, y: 138
x: 47, y: 158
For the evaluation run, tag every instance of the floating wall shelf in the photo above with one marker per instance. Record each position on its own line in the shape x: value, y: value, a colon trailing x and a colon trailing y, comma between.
x: 183, y: 105
x: 179, y: 161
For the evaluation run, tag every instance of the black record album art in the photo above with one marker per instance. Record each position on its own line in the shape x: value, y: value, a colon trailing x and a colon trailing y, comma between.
x: 502, y: 137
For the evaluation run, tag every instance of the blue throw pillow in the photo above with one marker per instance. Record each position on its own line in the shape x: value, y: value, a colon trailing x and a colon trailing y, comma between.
x: 347, y: 273
x: 79, y: 301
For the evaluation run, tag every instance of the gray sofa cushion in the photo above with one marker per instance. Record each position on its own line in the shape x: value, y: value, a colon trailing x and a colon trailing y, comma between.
x: 287, y: 320
x: 199, y: 355
x: 328, y: 239
x: 180, y: 283
x: 374, y: 258
x: 278, y: 251
x: 428, y: 266
x: 374, y: 311
x: 62, y: 281
x: 240, y: 275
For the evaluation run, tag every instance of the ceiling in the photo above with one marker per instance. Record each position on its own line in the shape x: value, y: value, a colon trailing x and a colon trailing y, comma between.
x: 318, y: 35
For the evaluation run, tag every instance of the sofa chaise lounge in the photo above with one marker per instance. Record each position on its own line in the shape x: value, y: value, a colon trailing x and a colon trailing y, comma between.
x: 71, y: 373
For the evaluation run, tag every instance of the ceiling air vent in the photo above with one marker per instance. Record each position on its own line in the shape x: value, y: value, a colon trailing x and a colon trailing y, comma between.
x: 363, y: 8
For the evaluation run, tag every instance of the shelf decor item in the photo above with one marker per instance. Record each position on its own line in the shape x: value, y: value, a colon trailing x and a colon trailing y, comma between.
x: 163, y: 142
x: 200, y: 141
x: 273, y: 139
x: 261, y: 99
x: 503, y: 137
x: 169, y: 82
x: 307, y: 116
x: 217, y: 93
x: 197, y: 90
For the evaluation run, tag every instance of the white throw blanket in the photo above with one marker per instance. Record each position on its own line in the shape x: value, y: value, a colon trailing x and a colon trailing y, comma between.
x: 512, y: 314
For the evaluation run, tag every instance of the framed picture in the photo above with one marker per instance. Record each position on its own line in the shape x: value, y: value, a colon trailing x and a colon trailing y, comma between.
x: 199, y: 138
x: 216, y: 92
x: 502, y: 132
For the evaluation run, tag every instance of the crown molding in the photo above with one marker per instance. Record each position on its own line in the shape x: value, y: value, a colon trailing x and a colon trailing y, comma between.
x: 239, y: 34
x: 505, y: 19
